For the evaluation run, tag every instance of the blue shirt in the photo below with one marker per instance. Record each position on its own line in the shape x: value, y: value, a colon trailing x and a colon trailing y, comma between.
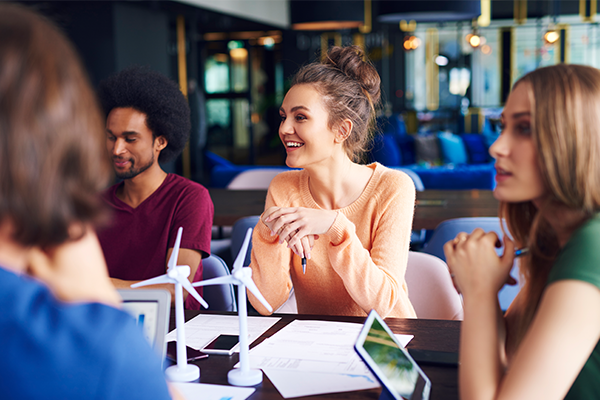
x: 56, y: 350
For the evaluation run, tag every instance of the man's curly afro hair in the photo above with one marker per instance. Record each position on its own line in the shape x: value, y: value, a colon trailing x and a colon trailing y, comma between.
x: 167, y: 111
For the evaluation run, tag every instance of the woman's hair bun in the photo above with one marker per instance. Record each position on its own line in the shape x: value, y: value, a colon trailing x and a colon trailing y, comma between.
x: 352, y: 62
x: 350, y: 88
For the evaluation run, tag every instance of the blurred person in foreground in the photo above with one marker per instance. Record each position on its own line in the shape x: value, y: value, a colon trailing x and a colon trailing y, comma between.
x: 63, y: 336
x: 546, y: 346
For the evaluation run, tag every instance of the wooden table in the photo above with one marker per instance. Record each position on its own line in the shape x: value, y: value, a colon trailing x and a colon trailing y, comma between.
x: 433, y: 206
x: 231, y: 205
x: 429, y: 335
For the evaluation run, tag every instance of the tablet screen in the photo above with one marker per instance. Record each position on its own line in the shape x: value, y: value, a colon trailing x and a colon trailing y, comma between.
x: 398, y: 373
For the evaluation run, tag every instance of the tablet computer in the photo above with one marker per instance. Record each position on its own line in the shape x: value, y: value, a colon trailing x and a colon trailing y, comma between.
x: 151, y: 310
x: 399, y: 375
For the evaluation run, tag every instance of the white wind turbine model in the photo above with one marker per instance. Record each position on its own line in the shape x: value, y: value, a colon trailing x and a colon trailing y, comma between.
x: 242, y: 277
x: 178, y: 274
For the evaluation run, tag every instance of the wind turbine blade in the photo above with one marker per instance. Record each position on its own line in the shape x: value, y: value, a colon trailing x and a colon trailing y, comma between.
x: 221, y: 280
x: 190, y: 289
x: 239, y: 260
x: 252, y: 287
x: 175, y: 253
x: 153, y: 281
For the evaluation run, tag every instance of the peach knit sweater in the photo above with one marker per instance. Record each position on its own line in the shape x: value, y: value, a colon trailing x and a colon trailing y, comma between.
x: 358, y: 265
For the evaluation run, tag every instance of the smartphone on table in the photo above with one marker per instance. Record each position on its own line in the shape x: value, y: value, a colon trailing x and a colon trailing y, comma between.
x: 192, y: 354
x: 222, y: 344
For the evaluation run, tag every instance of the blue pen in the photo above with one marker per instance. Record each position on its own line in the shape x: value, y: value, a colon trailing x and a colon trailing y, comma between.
x: 521, y: 252
x: 303, y: 265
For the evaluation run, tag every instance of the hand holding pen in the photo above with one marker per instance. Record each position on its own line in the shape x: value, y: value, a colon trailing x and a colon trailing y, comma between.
x: 521, y: 252
x: 474, y: 262
x: 299, y: 227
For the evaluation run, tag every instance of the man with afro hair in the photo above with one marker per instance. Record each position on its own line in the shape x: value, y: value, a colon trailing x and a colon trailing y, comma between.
x: 147, y: 121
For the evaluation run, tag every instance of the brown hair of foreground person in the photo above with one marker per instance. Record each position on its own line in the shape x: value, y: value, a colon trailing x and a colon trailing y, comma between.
x: 51, y: 133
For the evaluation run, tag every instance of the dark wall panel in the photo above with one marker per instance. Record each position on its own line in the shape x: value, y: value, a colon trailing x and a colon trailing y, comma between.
x: 142, y: 37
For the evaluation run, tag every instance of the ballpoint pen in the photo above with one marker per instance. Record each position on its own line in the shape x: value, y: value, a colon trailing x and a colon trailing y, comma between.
x: 304, y: 265
x: 521, y: 252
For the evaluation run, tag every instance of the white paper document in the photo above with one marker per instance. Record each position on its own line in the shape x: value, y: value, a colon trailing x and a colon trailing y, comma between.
x: 312, y: 357
x: 202, y: 391
x: 203, y: 328
x: 297, y: 384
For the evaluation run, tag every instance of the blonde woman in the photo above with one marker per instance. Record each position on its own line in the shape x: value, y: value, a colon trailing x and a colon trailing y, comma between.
x: 351, y: 222
x: 548, y: 183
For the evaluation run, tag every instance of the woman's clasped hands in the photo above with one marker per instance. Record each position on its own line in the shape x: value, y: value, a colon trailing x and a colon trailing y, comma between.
x: 298, y: 226
x: 474, y: 264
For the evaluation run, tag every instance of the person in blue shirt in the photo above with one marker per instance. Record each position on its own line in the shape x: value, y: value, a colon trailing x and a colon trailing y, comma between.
x: 547, y: 344
x: 63, y: 335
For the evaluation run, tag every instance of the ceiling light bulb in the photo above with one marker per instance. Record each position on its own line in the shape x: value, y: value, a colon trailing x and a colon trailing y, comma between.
x: 238, y: 54
x: 411, y: 43
x: 407, y: 44
x: 416, y: 42
x: 441, y: 61
x: 475, y: 41
x: 551, y: 37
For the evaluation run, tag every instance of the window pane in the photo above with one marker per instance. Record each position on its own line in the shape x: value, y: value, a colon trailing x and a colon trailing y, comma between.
x: 219, y: 126
x: 216, y: 76
x: 241, y: 135
x: 239, y: 69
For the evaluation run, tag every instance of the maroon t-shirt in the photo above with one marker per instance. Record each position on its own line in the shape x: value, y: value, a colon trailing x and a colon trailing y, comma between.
x: 135, y: 244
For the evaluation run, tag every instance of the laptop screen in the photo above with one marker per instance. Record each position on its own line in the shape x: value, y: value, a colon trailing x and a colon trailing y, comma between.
x: 151, y: 310
x: 146, y: 315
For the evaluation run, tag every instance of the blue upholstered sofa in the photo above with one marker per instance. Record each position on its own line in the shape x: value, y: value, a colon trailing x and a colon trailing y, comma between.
x: 442, y: 160
x: 223, y: 171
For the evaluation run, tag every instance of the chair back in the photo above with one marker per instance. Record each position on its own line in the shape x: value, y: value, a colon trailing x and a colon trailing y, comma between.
x: 417, y: 238
x: 448, y: 230
x: 218, y: 297
x: 290, y: 306
x: 419, y: 187
x: 255, y: 178
x: 238, y: 232
x: 430, y: 288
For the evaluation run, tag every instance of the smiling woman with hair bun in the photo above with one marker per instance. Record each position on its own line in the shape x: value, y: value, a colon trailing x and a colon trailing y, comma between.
x: 351, y: 222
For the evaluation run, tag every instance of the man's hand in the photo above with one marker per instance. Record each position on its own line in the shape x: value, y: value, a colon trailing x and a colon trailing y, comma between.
x: 186, y: 257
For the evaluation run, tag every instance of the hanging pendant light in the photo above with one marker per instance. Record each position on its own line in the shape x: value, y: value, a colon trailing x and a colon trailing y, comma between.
x: 551, y: 36
x: 411, y: 43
